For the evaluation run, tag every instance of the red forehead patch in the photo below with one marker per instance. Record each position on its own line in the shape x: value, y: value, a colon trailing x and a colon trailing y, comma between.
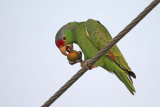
x: 60, y: 43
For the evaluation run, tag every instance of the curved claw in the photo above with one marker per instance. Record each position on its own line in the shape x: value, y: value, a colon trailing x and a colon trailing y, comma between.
x: 85, y: 65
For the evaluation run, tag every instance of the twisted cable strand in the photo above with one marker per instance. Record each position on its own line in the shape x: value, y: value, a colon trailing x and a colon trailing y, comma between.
x: 101, y: 53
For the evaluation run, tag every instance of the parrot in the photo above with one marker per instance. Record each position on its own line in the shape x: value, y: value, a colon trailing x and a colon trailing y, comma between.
x: 91, y: 36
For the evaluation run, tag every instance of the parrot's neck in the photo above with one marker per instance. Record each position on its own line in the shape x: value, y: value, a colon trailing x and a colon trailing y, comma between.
x: 80, y: 37
x: 75, y: 32
x: 71, y: 32
x: 83, y: 42
x: 80, y: 33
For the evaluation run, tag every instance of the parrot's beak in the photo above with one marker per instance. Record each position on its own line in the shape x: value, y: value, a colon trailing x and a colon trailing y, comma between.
x: 66, y: 48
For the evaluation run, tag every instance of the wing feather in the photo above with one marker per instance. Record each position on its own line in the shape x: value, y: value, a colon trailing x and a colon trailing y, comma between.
x: 100, y: 36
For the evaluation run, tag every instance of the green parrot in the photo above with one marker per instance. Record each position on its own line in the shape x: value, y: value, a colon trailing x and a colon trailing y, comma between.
x: 91, y: 36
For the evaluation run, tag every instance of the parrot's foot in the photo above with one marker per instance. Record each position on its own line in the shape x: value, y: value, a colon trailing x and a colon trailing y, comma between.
x: 85, y: 65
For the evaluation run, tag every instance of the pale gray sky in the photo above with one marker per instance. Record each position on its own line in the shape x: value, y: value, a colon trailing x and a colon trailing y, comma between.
x: 33, y: 69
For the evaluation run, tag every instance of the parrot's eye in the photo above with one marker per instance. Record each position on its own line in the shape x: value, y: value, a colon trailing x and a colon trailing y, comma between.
x: 64, y: 37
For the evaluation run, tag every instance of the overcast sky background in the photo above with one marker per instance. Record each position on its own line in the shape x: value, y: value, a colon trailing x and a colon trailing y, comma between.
x: 32, y: 68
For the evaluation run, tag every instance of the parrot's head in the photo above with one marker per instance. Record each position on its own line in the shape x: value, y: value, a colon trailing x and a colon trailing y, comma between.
x: 65, y: 38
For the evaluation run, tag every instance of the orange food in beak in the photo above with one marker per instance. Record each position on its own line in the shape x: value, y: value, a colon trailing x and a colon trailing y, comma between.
x: 73, y: 56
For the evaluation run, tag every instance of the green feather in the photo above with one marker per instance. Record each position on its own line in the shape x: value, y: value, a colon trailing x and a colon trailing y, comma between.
x: 100, y: 37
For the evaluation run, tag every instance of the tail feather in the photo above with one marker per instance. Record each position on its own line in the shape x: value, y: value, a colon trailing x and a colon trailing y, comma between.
x: 129, y: 76
x: 132, y: 74
x: 121, y: 73
x: 125, y: 79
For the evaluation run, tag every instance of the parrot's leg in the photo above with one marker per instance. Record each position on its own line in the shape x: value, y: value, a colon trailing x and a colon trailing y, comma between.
x: 82, y: 63
x: 85, y: 65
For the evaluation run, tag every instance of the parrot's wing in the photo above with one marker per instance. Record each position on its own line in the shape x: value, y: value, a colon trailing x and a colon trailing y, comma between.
x: 99, y: 36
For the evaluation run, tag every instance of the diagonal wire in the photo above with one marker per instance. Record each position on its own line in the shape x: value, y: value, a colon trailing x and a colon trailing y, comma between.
x: 101, y: 53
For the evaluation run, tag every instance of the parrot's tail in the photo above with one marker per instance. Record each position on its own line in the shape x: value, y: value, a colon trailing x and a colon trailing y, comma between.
x: 126, y: 79
x: 132, y: 74
x: 122, y: 74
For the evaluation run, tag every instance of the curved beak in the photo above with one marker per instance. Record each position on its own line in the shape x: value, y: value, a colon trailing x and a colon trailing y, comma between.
x: 63, y: 50
x: 66, y: 48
